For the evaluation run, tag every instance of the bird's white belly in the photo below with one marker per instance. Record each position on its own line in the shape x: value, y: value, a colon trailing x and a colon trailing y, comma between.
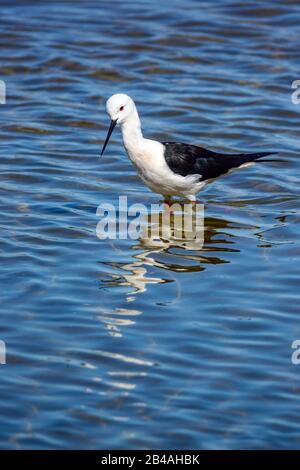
x: 152, y: 168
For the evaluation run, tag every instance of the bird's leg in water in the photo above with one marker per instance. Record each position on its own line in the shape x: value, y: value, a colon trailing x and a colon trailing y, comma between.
x: 168, y: 200
x: 193, y: 200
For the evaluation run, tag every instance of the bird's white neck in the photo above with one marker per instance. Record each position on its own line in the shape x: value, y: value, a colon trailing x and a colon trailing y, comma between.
x: 132, y: 133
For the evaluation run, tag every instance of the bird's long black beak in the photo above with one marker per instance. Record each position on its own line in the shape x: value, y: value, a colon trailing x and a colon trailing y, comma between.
x: 110, y: 130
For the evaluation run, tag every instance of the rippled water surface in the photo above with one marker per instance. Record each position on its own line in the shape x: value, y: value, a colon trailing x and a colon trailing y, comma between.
x: 132, y: 343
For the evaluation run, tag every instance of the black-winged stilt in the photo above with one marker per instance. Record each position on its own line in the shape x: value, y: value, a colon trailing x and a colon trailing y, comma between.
x: 169, y: 168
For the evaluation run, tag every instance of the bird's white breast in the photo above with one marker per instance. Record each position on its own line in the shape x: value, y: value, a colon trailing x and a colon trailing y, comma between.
x: 155, y: 172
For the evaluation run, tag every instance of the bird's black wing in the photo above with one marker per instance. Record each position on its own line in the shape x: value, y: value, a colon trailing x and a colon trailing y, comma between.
x: 185, y: 159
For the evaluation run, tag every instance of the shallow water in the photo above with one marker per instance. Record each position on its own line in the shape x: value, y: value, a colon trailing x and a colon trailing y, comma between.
x: 129, y: 343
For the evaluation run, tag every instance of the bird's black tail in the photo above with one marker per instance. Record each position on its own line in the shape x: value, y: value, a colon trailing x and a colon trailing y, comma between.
x: 249, y: 157
x: 242, y: 158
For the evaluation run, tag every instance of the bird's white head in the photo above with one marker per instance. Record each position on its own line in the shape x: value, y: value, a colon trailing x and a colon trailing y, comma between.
x: 120, y: 108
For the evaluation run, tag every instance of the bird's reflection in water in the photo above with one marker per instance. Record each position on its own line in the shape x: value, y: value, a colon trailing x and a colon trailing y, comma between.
x: 167, y: 245
x: 181, y: 226
x: 163, y: 248
x: 160, y: 246
x: 161, y: 255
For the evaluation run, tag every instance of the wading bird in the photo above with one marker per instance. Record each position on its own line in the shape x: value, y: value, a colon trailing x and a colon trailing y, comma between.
x: 169, y: 168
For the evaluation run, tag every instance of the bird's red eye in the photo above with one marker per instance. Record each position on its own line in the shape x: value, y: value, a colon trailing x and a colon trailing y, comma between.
x: 121, y: 108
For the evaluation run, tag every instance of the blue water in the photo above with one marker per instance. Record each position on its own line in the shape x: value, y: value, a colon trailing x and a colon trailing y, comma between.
x: 129, y: 343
